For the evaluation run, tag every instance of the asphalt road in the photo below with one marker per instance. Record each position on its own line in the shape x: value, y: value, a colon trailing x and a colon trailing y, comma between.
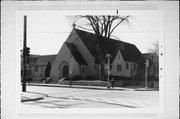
x: 60, y: 97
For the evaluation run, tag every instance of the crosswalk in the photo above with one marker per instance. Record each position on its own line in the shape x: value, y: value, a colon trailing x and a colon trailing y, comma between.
x: 79, y: 101
x: 70, y: 99
x: 121, y: 102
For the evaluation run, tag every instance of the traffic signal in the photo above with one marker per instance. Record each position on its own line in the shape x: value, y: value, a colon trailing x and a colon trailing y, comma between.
x: 26, y: 51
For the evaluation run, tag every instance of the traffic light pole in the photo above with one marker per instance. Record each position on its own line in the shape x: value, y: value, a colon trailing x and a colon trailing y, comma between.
x: 146, y: 66
x: 146, y: 77
x: 24, y: 55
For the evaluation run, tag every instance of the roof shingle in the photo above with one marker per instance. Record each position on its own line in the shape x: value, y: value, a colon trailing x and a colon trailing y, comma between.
x: 44, y: 59
x: 129, y: 51
x: 76, y: 54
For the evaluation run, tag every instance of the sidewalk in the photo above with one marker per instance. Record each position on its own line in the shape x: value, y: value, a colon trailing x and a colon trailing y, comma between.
x: 31, y: 96
x: 93, y: 87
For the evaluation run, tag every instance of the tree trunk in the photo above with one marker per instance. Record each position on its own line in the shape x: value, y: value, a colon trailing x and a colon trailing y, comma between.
x: 102, y: 72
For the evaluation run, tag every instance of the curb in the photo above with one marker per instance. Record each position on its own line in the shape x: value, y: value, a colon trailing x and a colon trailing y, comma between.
x: 81, y: 87
x: 97, y: 88
x: 34, y: 99
x: 31, y: 99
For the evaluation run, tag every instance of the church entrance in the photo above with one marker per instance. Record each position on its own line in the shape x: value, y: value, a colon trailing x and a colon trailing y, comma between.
x: 65, y: 71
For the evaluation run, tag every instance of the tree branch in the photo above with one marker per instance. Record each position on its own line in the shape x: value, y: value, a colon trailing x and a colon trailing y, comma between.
x: 84, y: 28
x: 122, y: 19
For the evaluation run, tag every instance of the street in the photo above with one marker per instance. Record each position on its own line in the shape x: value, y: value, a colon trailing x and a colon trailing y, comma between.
x: 61, y: 97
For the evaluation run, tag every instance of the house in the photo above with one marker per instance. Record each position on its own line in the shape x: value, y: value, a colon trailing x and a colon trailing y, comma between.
x: 77, y: 58
x: 29, y: 65
x: 38, y: 69
x: 37, y: 65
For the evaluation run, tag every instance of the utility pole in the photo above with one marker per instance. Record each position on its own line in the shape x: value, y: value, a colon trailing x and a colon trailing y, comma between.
x: 108, y: 56
x: 146, y: 66
x: 24, y: 55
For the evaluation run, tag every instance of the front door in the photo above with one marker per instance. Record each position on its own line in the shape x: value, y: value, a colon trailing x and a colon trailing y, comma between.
x: 65, y: 71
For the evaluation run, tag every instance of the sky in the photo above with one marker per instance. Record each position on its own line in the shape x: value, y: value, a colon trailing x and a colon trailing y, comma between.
x: 48, y: 30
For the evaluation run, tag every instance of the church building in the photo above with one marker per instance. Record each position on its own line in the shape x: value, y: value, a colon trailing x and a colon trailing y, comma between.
x: 77, y: 58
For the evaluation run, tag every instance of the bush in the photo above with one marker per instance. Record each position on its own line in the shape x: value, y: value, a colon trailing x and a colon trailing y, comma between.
x: 29, y: 79
x: 75, y: 78
x: 90, y: 78
x: 126, y: 84
x: 121, y: 78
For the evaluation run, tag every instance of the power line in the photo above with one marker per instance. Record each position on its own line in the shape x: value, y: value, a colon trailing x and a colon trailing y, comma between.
x: 48, y: 32
x: 113, y: 32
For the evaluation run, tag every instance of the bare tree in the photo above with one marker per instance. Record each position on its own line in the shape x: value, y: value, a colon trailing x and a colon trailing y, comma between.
x: 103, y: 26
x: 154, y: 59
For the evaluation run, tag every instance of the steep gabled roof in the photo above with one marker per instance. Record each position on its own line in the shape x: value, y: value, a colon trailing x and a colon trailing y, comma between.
x: 44, y: 59
x: 89, y: 39
x: 128, y: 51
x: 76, y: 54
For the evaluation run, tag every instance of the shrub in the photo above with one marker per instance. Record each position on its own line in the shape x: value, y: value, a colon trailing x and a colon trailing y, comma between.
x: 90, y: 78
x: 126, y: 84
x: 27, y: 79
x: 75, y: 78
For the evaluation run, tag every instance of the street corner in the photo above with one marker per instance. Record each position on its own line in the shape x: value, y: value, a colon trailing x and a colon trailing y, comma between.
x: 31, y: 96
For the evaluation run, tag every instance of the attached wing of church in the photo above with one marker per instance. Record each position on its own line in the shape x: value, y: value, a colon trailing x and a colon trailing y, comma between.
x: 77, y: 58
